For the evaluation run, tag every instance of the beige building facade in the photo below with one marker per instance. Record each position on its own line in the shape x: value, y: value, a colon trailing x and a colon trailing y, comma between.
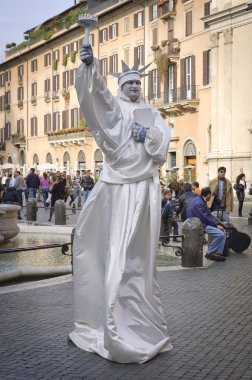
x: 194, y: 79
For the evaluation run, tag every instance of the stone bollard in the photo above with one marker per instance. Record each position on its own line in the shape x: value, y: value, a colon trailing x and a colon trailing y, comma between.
x: 60, y: 212
x: 31, y: 210
x: 192, y: 243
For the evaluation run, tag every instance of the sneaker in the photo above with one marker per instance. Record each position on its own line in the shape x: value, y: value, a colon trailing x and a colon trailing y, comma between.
x: 214, y: 256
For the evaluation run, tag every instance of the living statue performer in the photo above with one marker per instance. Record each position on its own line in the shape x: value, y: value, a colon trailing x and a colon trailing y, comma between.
x: 118, y: 312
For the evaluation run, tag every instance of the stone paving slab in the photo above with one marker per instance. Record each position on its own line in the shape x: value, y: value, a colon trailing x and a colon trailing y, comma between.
x: 208, y: 314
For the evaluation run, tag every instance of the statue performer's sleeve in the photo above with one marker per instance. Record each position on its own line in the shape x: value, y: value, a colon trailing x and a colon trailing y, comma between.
x: 157, y: 140
x: 99, y: 107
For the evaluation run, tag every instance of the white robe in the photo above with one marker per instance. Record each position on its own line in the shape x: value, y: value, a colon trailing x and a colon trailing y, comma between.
x: 118, y: 312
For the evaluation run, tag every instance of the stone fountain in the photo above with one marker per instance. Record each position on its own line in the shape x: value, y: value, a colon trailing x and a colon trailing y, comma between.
x: 8, y: 221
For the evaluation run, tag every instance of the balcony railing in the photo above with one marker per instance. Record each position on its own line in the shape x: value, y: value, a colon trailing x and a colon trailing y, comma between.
x: 166, y: 9
x: 179, y: 100
x: 70, y: 134
x: 18, y: 139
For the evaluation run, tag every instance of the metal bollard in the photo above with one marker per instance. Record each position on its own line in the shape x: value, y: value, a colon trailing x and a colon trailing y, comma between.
x: 31, y: 210
x: 192, y: 243
x: 60, y: 212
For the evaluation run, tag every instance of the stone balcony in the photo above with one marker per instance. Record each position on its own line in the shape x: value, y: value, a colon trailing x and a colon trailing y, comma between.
x: 178, y: 101
x: 69, y: 137
x: 18, y: 140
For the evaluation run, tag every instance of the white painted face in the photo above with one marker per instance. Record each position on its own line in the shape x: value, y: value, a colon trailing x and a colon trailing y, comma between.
x: 132, y: 89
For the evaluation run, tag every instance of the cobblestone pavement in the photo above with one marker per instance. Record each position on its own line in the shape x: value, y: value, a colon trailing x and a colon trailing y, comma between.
x: 208, y: 312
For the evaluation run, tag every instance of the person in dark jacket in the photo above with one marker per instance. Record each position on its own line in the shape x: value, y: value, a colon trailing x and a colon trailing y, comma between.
x: 240, y: 187
x: 185, y: 199
x: 168, y: 212
x: 198, y: 208
x: 58, y: 192
x: 87, y: 184
x: 32, y: 183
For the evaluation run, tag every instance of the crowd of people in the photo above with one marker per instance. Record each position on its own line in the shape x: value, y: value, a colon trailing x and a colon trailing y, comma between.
x: 16, y: 189
x: 187, y: 200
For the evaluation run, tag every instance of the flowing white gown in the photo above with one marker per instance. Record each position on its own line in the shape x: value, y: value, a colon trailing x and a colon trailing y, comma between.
x: 118, y: 312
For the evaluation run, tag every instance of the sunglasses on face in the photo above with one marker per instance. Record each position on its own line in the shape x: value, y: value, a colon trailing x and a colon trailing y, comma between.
x: 222, y: 171
x: 137, y: 82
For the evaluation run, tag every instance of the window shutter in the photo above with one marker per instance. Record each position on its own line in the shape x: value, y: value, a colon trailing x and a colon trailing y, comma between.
x: 142, y: 53
x: 205, y: 67
x: 150, y: 12
x: 92, y: 40
x: 170, y: 29
x: 135, y: 20
x: 158, y: 87
x: 72, y: 118
x: 64, y: 80
x: 54, y: 121
x: 67, y: 119
x: 45, y: 124
x: 117, y: 29
x: 193, y: 78
x: 175, y: 81
x: 80, y: 43
x: 135, y: 56
x: 188, y: 23
x: 64, y: 119
x: 154, y: 36
x: 150, y: 88
x: 111, y: 64
x: 182, y: 79
x: 110, y: 31
x: 71, y: 77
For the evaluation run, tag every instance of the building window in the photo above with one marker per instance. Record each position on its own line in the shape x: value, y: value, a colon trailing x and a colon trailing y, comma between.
x: 56, y: 55
x: 173, y: 159
x: 20, y: 70
x: 47, y: 59
x: 20, y: 126
x: 206, y: 67
x: 153, y: 12
x: 34, y: 126
x: 113, y: 31
x: 139, y: 55
x: 47, y: 89
x: 47, y: 123
x: 34, y: 90
x: 20, y: 94
x: 154, y: 85
x: 187, y: 77
x: 56, y: 85
x: 7, y: 75
x: 103, y: 35
x: 113, y: 63
x: 65, y: 80
x: 188, y: 23
x: 66, y: 50
x: 126, y: 25
x: 7, y: 131
x: 2, y: 80
x: 56, y: 121
x: 104, y: 67
x: 207, y: 12
x: 7, y: 97
x: 34, y: 65
x: 74, y: 118
x: 2, y: 102
x: 74, y: 46
x: 138, y: 19
x: 72, y: 76
x: 171, y: 89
